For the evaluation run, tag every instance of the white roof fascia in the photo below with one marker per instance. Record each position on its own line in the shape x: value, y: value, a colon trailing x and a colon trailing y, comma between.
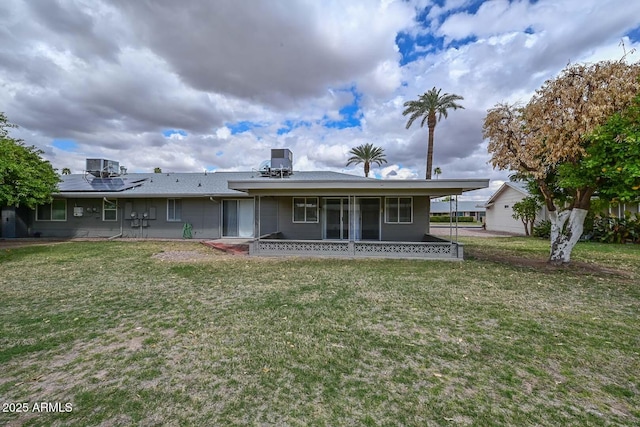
x: 416, y: 187
x: 126, y: 195
x: 501, y: 190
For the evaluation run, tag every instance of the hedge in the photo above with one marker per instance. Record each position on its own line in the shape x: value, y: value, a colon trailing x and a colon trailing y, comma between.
x: 446, y: 218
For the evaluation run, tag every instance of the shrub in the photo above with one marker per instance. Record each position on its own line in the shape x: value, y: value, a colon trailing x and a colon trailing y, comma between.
x: 542, y: 229
x: 617, y: 230
x: 446, y: 218
x: 440, y: 218
x: 609, y: 229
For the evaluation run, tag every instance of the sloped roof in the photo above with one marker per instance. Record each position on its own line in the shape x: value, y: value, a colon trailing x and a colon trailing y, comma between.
x: 518, y: 186
x: 463, y: 206
x: 246, y: 184
x: 177, y: 184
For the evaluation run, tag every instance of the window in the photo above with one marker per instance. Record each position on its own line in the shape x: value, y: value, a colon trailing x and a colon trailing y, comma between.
x: 174, y: 209
x: 238, y: 218
x: 398, y: 210
x: 305, y: 209
x: 54, y: 211
x: 109, y: 210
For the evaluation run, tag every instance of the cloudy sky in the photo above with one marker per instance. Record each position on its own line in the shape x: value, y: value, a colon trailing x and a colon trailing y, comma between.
x: 215, y: 84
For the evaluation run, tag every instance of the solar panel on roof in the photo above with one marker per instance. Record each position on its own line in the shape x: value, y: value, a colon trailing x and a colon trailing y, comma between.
x: 86, y: 184
x: 107, y: 184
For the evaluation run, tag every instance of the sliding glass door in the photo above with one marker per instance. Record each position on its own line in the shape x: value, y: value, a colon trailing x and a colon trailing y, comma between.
x: 363, y: 224
x: 237, y: 218
x: 336, y: 218
x: 368, y: 218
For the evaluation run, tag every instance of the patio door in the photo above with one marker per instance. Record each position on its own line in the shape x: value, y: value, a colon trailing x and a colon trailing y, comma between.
x: 336, y: 218
x: 368, y: 219
x: 237, y: 218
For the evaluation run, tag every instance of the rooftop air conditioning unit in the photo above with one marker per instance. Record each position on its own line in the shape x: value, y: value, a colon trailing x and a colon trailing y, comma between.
x: 281, y: 162
x: 103, y: 168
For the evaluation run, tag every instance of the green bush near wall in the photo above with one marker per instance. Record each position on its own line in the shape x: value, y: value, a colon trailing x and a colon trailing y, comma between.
x: 445, y: 218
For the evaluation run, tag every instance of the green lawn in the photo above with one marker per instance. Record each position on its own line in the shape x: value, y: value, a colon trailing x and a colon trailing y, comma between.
x: 196, y: 338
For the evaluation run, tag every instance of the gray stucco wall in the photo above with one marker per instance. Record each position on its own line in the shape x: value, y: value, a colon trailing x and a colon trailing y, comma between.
x: 90, y: 224
x: 413, y: 232
x: 267, y: 209
x: 201, y: 213
x: 295, y: 231
x: 204, y: 215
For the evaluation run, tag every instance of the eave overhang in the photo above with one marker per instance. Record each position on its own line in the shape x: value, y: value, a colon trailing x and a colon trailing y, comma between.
x: 133, y: 195
x: 290, y: 187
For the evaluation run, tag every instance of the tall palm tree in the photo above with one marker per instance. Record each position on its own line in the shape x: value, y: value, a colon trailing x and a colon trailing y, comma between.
x: 367, y: 154
x: 432, y: 107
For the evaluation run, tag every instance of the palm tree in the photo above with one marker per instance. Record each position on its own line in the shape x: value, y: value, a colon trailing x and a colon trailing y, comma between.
x: 66, y: 171
x: 367, y: 154
x: 429, y: 105
x: 437, y: 171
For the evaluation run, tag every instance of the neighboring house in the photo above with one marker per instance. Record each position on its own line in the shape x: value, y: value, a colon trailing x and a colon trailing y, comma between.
x: 282, y: 212
x: 470, y: 208
x: 621, y: 209
x: 499, y: 214
x: 499, y: 209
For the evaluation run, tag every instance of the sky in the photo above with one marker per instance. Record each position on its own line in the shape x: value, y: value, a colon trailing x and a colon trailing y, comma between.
x: 198, y: 85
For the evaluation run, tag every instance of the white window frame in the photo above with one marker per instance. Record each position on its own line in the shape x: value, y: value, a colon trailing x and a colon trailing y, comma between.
x: 39, y: 209
x: 397, y: 199
x: 174, y: 219
x: 106, y: 206
x: 306, y: 201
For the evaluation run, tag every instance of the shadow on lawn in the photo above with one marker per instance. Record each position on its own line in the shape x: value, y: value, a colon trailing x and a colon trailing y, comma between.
x: 541, y: 264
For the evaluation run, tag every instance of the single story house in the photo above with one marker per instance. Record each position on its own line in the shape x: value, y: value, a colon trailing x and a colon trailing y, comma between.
x: 620, y: 210
x: 469, y: 208
x: 499, y: 209
x: 279, y: 211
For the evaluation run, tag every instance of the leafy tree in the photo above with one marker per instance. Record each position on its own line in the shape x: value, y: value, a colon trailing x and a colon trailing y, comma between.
x: 25, y: 178
x: 577, y: 136
x: 526, y: 210
x: 367, y: 154
x: 437, y: 171
x: 157, y: 170
x: 611, y: 159
x: 66, y: 171
x: 432, y: 107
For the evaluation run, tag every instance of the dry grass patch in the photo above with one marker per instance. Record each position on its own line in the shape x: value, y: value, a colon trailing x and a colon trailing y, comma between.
x: 209, y: 339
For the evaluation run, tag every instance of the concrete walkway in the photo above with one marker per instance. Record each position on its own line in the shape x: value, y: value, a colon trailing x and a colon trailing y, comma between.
x: 445, y: 231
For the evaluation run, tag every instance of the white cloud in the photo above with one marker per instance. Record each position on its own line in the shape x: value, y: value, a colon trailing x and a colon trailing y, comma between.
x: 223, y: 133
x: 397, y: 172
x: 113, y: 75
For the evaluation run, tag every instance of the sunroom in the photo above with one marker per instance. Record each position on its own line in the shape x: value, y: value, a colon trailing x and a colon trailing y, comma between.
x: 351, y: 218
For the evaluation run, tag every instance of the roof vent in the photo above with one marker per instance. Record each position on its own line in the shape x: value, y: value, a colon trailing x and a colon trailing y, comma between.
x: 280, y: 165
x: 102, y: 168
